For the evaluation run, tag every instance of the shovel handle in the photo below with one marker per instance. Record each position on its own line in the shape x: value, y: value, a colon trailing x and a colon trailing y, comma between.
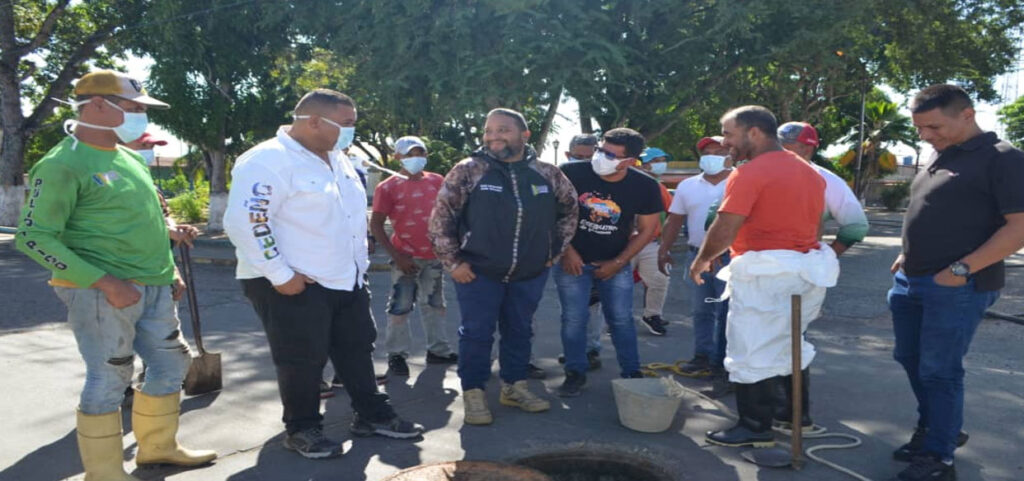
x: 193, y: 307
x: 796, y: 335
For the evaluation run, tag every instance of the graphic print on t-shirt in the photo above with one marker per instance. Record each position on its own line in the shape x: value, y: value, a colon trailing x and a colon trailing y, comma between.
x: 599, y: 213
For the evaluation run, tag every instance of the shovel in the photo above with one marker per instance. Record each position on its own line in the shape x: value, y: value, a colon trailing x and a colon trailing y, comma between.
x: 204, y: 374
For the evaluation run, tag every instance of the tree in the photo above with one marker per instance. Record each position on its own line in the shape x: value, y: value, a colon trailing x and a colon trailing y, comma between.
x: 885, y: 127
x: 1012, y: 116
x: 214, y: 63
x: 43, y: 47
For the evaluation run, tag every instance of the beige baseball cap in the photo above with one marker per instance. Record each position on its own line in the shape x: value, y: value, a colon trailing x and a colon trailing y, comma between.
x: 109, y: 82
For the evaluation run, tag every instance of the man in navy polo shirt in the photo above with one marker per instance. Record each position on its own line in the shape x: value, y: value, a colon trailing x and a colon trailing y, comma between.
x: 966, y: 215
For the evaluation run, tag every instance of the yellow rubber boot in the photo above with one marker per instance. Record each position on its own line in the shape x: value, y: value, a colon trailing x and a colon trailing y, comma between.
x: 155, y: 421
x: 99, y: 444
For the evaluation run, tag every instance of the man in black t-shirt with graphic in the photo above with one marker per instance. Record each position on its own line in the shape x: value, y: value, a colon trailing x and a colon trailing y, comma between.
x: 611, y: 197
x: 966, y: 215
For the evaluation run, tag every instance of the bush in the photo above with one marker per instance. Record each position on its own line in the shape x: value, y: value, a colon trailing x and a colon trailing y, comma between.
x: 174, y: 186
x: 191, y: 205
x: 894, y: 195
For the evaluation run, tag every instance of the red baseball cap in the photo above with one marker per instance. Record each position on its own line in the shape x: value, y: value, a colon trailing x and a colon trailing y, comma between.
x: 801, y: 132
x: 706, y: 141
x: 149, y: 139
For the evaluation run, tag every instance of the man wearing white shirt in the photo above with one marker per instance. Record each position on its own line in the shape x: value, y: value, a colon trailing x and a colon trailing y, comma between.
x: 693, y: 198
x: 297, y: 217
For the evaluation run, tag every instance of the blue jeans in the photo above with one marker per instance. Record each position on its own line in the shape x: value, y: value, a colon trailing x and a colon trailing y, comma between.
x: 485, y: 303
x: 617, y: 305
x: 424, y: 289
x: 108, y: 339
x: 709, y: 317
x: 933, y: 327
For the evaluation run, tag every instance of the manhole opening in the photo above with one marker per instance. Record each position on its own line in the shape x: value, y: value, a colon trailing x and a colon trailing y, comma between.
x: 595, y: 465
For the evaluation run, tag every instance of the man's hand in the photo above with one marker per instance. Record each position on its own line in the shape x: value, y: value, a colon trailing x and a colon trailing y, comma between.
x: 897, y: 264
x: 178, y: 287
x: 463, y: 273
x: 665, y: 260
x: 405, y: 263
x: 371, y: 245
x: 295, y: 285
x: 699, y: 267
x: 572, y: 263
x: 183, y: 233
x: 838, y: 247
x: 607, y: 269
x: 119, y: 293
x: 946, y: 278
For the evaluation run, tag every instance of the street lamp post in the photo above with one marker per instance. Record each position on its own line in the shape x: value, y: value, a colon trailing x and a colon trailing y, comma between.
x: 555, y: 145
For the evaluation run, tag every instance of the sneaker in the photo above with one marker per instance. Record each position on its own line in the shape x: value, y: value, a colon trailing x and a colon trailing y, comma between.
x: 653, y: 324
x: 534, y: 372
x: 518, y: 395
x: 593, y: 359
x: 915, y: 447
x: 926, y: 467
x: 311, y: 443
x: 573, y: 384
x: 397, y: 365
x: 450, y: 358
x: 740, y: 435
x: 336, y: 382
x: 474, y: 407
x: 395, y: 427
x: 658, y: 320
x: 699, y: 366
x: 326, y: 390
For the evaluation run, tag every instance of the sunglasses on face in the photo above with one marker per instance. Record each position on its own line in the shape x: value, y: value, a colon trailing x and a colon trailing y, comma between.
x: 611, y: 154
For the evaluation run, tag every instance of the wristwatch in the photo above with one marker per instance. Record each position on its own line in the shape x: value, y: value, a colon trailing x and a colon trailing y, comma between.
x: 960, y: 269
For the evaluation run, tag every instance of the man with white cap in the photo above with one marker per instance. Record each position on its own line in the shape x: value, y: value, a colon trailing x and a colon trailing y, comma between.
x: 94, y: 219
x: 417, y: 276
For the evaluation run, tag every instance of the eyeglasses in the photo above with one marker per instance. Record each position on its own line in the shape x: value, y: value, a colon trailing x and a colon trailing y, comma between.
x: 612, y: 154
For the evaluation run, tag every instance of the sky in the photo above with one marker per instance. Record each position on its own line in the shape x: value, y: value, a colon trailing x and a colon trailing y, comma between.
x: 566, y: 123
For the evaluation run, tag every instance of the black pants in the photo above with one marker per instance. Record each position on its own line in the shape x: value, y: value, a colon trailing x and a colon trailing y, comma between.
x: 305, y: 329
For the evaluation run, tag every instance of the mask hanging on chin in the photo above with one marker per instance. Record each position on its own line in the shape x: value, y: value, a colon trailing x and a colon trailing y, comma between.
x: 603, y: 164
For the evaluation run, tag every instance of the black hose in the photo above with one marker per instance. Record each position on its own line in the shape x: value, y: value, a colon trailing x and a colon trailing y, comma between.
x: 1006, y: 317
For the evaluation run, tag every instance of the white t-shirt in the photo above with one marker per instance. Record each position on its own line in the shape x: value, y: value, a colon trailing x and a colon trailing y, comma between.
x: 693, y: 198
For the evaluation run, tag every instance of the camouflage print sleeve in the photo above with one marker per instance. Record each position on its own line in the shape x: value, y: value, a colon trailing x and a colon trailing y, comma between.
x: 568, y: 209
x: 443, y: 230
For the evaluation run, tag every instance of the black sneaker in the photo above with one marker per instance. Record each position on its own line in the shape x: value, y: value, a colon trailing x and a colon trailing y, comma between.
x: 396, y: 427
x: 658, y: 320
x: 326, y: 390
x: 397, y: 365
x: 534, y: 372
x: 653, y: 324
x: 311, y: 443
x: 699, y: 366
x: 915, y: 447
x: 336, y: 382
x: 451, y: 358
x: 926, y: 467
x: 573, y: 384
x: 593, y: 359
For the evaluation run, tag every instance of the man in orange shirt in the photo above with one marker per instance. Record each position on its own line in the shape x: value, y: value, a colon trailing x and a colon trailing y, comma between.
x: 769, y: 217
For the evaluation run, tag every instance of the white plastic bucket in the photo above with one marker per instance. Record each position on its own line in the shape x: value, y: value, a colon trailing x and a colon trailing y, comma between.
x: 647, y: 405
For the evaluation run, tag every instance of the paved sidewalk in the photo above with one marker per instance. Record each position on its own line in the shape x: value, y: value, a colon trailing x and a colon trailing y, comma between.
x: 856, y: 389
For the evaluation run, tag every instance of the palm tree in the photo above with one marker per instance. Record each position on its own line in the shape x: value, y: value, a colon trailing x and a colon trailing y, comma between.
x: 886, y: 127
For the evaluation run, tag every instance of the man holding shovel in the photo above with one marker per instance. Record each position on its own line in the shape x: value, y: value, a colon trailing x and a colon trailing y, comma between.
x: 94, y: 219
x: 769, y: 220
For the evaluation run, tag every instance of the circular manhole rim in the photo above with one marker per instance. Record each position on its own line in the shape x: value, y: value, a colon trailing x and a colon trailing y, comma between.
x: 544, y: 460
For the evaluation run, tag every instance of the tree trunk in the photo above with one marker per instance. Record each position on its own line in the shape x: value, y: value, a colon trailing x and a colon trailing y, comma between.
x: 218, y: 190
x: 12, y: 189
x: 549, y: 119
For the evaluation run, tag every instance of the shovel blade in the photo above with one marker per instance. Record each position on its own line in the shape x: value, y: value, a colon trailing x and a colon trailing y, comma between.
x: 204, y: 375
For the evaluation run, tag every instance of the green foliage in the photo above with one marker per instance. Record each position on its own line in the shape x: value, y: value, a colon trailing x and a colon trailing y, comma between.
x: 1012, y: 116
x: 174, y: 186
x: 190, y: 204
x: 893, y: 195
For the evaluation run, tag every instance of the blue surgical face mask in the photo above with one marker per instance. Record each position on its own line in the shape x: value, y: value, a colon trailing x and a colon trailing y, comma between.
x: 148, y: 155
x: 131, y: 128
x: 414, y: 165
x: 658, y: 168
x: 712, y: 164
x: 345, y: 134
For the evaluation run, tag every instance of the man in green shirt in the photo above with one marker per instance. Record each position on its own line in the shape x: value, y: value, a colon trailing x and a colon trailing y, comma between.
x: 93, y: 218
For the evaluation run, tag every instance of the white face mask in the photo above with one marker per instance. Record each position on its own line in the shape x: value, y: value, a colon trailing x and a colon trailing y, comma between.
x: 658, y: 168
x: 131, y: 128
x: 604, y: 164
x: 414, y: 165
x: 712, y: 164
x: 149, y: 155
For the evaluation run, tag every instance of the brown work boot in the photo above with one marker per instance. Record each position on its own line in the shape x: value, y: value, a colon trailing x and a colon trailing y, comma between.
x: 474, y: 407
x: 518, y: 395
